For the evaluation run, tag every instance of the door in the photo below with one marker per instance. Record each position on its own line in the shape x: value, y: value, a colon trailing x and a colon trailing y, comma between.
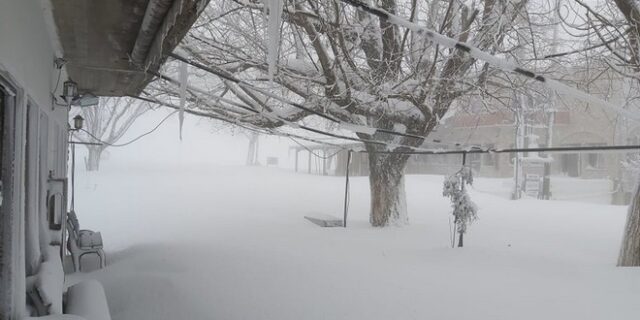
x: 571, y: 164
x: 11, y: 190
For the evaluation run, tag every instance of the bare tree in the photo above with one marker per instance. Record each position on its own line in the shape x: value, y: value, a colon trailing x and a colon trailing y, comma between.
x: 355, y: 68
x: 611, y: 33
x: 630, y: 249
x: 107, y: 122
x: 252, y: 153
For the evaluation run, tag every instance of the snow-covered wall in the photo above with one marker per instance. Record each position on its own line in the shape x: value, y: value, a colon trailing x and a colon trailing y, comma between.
x: 35, y: 143
x: 27, y: 50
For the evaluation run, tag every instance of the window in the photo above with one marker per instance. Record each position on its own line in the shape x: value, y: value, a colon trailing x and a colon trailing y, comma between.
x: 570, y: 162
x: 54, y: 203
x: 595, y: 160
x: 489, y: 159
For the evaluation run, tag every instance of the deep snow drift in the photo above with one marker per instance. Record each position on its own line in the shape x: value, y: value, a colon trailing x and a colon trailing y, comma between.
x: 224, y: 242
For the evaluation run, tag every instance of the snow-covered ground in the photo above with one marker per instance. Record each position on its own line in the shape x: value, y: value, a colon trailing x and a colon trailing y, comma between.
x: 229, y: 242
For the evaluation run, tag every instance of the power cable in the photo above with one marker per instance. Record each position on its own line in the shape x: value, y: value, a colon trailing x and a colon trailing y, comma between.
x: 417, y: 150
x: 133, y: 140
x: 497, y: 62
x: 237, y: 122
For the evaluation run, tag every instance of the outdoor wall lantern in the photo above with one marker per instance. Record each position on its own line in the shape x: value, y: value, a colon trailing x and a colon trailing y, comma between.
x: 72, y: 97
x: 78, y: 121
x: 70, y: 90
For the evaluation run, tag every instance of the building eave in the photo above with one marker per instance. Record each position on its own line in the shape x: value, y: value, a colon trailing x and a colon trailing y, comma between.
x: 100, y: 39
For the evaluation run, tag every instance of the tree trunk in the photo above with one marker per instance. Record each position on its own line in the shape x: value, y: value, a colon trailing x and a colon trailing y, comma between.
x: 92, y: 162
x: 386, y: 180
x: 630, y: 250
x: 252, y: 153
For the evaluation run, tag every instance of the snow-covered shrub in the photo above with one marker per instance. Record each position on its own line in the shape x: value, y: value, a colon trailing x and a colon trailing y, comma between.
x: 464, y: 210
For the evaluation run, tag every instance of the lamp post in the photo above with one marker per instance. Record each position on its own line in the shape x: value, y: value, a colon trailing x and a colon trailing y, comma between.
x: 78, y: 122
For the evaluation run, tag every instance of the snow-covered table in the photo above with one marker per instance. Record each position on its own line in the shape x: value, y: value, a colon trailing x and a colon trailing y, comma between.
x: 324, y: 220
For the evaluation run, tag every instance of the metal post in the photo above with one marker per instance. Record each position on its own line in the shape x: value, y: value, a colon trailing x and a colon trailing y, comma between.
x: 546, y: 179
x: 73, y: 176
x: 346, y: 190
x: 464, y: 164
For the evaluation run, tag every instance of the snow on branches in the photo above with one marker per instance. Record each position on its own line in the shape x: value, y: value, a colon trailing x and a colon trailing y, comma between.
x: 464, y: 210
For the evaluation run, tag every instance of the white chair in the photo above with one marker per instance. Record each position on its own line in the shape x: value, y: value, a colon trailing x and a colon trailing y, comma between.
x: 83, y: 242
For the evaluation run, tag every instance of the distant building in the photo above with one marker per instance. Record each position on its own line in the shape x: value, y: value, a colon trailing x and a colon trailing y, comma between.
x: 575, y: 123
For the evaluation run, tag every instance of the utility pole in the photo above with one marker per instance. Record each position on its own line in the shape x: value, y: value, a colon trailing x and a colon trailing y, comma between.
x: 520, y: 132
x: 551, y: 113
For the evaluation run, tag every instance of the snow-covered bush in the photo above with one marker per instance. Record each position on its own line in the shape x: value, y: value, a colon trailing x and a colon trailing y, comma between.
x: 464, y: 210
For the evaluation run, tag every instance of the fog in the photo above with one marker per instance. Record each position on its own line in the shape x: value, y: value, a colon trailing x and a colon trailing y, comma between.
x: 205, y: 142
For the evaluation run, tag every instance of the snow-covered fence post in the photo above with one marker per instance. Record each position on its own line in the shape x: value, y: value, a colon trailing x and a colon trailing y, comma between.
x: 464, y: 210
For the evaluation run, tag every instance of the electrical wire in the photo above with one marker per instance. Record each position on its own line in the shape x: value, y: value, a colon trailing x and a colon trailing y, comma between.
x: 57, y: 81
x: 500, y: 63
x: 516, y: 150
x: 417, y: 150
x: 132, y: 140
x: 238, y: 123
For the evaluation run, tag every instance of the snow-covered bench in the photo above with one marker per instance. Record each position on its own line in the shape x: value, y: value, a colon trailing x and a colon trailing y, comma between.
x: 44, y: 289
x: 84, y: 300
x: 83, y: 242
x: 87, y: 300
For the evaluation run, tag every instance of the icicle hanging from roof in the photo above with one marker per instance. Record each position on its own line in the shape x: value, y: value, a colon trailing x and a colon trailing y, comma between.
x: 273, y: 33
x: 184, y: 78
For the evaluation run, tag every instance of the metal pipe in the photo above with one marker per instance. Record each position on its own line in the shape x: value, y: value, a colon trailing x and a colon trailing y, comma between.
x: 86, y: 143
x: 346, y: 190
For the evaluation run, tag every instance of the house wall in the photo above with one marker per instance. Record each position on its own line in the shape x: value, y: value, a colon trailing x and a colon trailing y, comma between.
x: 37, y: 145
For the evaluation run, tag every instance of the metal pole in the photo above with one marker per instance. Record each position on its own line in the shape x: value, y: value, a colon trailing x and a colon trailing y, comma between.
x: 86, y: 143
x: 464, y: 164
x: 73, y: 176
x: 546, y: 179
x: 346, y: 190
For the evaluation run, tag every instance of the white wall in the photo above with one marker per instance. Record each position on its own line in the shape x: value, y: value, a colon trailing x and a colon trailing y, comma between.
x: 26, y: 50
x: 28, y: 47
